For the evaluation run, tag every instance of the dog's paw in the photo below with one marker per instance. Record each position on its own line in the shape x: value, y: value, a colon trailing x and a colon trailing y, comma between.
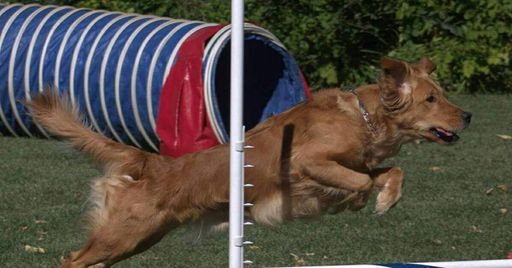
x: 386, y: 200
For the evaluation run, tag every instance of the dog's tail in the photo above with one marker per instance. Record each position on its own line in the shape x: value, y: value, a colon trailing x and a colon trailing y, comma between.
x: 58, y: 116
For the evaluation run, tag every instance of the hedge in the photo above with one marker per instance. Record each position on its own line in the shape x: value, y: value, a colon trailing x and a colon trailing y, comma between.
x: 471, y: 41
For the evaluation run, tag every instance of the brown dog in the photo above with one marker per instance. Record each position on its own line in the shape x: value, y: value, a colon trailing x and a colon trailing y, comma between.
x: 319, y: 155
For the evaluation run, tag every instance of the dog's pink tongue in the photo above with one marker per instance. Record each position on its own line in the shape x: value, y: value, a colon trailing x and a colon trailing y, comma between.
x: 447, y: 133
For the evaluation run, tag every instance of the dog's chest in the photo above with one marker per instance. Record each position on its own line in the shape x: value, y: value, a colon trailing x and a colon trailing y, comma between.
x: 378, y: 153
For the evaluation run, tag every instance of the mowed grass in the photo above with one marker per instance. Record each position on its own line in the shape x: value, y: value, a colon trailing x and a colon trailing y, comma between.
x: 449, y: 213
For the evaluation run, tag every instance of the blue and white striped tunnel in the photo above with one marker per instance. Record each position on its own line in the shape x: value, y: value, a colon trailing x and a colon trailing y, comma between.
x: 114, y: 67
x: 75, y: 48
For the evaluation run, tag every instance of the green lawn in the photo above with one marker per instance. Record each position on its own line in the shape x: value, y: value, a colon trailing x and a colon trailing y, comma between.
x: 446, y: 214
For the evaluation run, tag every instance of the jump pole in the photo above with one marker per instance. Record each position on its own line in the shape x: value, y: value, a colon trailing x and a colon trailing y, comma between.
x: 236, y: 143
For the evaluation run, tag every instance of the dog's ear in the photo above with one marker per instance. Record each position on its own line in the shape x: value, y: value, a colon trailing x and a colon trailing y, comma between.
x: 426, y: 65
x: 394, y: 69
x: 395, y: 89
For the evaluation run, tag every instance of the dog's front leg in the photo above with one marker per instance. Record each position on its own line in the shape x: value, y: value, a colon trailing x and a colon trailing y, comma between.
x: 389, y: 180
x: 332, y: 174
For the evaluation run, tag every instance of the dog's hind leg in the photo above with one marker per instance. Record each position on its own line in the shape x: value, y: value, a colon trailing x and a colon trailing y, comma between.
x: 116, y: 241
x: 390, y: 181
x: 124, y: 221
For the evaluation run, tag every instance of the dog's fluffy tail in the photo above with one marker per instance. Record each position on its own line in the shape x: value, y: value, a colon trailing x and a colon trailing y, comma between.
x: 58, y: 116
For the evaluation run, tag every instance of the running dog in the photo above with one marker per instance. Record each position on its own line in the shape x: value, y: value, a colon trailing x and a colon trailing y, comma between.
x: 322, y: 155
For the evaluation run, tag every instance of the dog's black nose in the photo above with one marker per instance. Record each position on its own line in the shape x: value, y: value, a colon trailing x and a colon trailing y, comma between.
x: 466, y: 116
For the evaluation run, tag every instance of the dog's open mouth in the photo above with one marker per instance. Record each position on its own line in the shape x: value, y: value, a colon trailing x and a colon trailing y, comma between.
x: 440, y: 134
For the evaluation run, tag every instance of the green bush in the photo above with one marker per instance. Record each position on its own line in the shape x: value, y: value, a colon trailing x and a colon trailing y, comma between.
x: 469, y: 40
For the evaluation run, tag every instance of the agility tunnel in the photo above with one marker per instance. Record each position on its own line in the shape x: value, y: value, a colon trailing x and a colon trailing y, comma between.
x: 156, y: 83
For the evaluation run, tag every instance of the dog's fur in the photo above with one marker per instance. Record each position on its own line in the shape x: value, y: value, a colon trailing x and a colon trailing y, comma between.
x: 320, y: 155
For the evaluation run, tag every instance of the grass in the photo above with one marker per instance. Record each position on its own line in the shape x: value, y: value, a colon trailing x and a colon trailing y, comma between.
x: 444, y: 214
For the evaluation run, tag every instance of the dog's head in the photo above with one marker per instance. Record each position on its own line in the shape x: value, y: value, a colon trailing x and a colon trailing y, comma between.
x: 417, y: 103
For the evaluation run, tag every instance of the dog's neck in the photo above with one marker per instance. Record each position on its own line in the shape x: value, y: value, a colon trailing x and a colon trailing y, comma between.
x: 375, y: 115
x: 385, y: 136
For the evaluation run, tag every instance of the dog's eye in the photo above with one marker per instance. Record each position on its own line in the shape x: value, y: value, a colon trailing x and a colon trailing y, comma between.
x: 431, y: 98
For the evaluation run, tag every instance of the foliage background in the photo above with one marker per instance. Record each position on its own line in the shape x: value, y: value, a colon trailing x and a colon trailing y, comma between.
x: 339, y: 42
